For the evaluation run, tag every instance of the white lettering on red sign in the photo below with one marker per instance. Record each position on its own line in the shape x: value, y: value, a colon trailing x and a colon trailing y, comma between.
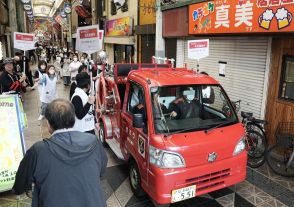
x: 24, y: 37
x: 88, y: 33
x: 194, y: 45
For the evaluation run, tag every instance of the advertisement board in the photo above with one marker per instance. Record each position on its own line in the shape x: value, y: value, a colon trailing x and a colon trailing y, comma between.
x: 119, y: 27
x: 24, y: 41
x: 12, y: 146
x: 89, y: 39
x: 241, y: 16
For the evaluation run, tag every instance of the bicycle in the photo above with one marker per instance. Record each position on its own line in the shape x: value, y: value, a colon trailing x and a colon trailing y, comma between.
x: 280, y: 157
x: 255, y: 137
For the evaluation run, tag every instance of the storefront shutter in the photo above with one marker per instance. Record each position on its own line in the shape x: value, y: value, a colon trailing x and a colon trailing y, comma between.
x: 147, y: 48
x: 246, y: 60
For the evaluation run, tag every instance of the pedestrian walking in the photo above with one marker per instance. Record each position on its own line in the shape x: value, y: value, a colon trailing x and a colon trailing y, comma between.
x: 49, y: 89
x: 65, y: 70
x: 74, y: 66
x: 66, y: 168
x: 83, y: 104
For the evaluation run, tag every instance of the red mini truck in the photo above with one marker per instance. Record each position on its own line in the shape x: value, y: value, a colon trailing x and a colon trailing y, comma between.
x: 176, y: 128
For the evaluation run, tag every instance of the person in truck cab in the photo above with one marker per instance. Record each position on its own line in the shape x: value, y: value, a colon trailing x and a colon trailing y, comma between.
x: 187, y: 106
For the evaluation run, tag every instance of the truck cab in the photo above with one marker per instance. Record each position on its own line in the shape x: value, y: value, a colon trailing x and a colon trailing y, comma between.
x: 175, y: 127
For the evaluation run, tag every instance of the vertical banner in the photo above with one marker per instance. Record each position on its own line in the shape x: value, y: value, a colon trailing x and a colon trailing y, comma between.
x: 12, y: 146
x: 89, y: 39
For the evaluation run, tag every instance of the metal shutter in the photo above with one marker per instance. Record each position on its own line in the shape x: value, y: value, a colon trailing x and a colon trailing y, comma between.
x: 246, y: 69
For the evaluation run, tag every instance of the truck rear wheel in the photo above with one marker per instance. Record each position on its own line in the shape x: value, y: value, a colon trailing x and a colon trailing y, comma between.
x: 135, y: 180
x: 101, y: 133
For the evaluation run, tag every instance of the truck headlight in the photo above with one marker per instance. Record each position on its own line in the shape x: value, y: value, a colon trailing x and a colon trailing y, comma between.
x: 165, y: 159
x: 240, y: 147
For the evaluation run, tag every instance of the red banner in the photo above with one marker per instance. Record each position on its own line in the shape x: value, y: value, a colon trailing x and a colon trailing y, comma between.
x: 88, y: 33
x: 24, y: 37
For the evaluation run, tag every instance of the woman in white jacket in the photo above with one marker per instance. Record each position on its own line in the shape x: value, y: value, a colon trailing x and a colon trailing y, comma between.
x: 73, y: 67
x: 49, y: 89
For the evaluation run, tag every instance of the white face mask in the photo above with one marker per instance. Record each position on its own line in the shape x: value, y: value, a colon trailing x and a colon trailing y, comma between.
x: 75, y: 59
x: 16, y: 58
x: 43, y: 67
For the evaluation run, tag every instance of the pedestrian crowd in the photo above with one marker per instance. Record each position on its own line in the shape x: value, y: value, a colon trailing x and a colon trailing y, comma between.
x: 65, y: 169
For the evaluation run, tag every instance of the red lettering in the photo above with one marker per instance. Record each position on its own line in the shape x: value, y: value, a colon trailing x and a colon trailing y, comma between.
x: 88, y: 33
x: 194, y: 45
x: 287, y: 1
x: 262, y: 3
x: 274, y: 2
x: 24, y: 37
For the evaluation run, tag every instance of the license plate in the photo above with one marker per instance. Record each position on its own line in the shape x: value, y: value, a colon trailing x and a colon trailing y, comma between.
x: 183, y: 193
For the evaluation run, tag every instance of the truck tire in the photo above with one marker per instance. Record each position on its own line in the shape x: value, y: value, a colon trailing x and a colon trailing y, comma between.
x: 101, y: 134
x: 135, y: 180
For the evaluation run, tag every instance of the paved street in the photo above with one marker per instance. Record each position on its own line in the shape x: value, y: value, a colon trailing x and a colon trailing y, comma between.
x: 261, y: 188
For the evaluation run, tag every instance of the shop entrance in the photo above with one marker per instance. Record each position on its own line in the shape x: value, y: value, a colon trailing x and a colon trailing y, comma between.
x: 123, y: 53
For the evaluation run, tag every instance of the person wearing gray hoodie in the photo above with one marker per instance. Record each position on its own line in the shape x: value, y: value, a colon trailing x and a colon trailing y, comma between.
x: 66, y: 168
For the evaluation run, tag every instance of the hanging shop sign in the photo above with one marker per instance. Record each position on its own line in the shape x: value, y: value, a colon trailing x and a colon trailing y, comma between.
x: 63, y: 14
x: 82, y: 12
x: 119, y: 27
x: 24, y: 41
x: 67, y: 8
x: 12, y: 146
x: 27, y: 7
x: 89, y: 39
x: 198, y: 49
x: 241, y: 16
x: 147, y: 12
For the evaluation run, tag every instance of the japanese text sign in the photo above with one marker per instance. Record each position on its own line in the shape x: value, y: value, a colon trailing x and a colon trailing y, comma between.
x: 89, y: 39
x: 241, y: 16
x: 11, y: 140
x: 198, y: 49
x: 147, y: 12
x: 119, y: 27
x: 24, y: 41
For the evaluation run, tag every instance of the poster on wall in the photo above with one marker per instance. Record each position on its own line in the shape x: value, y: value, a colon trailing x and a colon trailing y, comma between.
x: 241, y: 16
x: 89, y: 39
x: 198, y: 49
x: 24, y: 41
x: 12, y: 147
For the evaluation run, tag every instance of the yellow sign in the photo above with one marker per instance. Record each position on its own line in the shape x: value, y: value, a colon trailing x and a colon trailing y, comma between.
x: 11, y: 139
x: 147, y: 12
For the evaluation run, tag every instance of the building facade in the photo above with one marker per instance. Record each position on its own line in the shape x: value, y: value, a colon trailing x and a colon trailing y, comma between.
x: 120, y: 40
x: 251, y: 41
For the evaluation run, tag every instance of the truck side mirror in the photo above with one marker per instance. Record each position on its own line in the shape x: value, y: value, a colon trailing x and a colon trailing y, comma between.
x: 138, y: 120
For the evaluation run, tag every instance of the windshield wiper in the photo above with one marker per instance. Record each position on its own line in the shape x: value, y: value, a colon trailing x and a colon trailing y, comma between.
x: 217, y: 126
x: 180, y: 131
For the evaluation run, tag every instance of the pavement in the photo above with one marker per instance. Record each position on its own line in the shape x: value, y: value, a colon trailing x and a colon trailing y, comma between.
x: 261, y: 188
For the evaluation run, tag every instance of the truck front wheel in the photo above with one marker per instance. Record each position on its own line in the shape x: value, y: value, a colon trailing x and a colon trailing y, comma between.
x: 135, y: 180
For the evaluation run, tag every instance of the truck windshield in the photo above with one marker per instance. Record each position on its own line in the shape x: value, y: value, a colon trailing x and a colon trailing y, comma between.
x: 185, y: 108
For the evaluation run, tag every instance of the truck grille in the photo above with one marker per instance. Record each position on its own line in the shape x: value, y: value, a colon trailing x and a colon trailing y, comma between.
x: 210, y: 180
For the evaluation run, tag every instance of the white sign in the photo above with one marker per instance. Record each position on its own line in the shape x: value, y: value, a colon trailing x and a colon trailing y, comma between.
x: 198, y: 49
x: 24, y: 41
x: 89, y: 39
x: 222, y: 68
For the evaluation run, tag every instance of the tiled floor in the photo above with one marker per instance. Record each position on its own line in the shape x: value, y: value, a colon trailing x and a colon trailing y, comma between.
x: 262, y: 188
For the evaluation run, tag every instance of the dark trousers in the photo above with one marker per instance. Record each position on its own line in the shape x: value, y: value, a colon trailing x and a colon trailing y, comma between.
x: 91, y: 132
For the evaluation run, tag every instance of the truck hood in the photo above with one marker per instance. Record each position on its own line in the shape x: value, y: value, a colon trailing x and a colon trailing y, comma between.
x: 196, y: 146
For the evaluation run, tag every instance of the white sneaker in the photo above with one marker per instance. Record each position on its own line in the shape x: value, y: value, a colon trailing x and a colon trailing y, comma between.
x: 40, y: 117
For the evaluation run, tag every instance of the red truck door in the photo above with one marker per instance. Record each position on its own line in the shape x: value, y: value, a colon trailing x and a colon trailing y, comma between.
x: 136, y: 139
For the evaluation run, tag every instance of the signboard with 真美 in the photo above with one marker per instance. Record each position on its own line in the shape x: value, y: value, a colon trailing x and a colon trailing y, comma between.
x: 241, y: 16
x: 198, y: 49
x: 89, y: 39
x: 24, y: 41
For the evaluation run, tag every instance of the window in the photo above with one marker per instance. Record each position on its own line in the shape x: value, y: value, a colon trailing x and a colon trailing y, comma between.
x: 287, y: 79
x: 136, y: 102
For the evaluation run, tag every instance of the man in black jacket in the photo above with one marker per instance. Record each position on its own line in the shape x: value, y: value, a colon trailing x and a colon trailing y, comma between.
x: 65, y: 168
